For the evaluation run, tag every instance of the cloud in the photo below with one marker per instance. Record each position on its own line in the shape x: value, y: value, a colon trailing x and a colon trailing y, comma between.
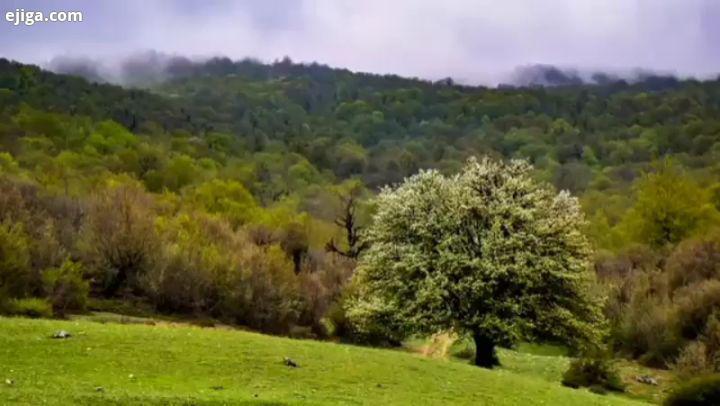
x: 477, y: 41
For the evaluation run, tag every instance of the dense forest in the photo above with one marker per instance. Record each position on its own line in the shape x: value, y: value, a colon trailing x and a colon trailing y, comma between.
x: 240, y: 191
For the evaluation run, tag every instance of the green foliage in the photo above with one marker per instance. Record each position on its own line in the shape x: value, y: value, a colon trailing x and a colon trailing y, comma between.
x: 669, y: 207
x: 379, y: 331
x: 16, y: 275
x: 262, y: 291
x: 180, y: 170
x: 593, y: 373
x: 228, y: 198
x: 28, y: 307
x: 467, y: 253
x: 8, y: 164
x: 66, y: 289
x: 700, y: 391
x: 206, y: 266
x: 182, y: 277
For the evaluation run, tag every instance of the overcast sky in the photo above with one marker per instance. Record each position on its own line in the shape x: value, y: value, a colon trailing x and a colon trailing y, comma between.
x: 470, y: 40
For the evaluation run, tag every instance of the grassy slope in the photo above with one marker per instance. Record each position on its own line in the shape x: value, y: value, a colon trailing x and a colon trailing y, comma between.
x: 170, y: 365
x: 548, y: 362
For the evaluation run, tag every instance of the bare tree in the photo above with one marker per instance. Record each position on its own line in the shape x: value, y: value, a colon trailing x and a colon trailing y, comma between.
x: 348, y: 221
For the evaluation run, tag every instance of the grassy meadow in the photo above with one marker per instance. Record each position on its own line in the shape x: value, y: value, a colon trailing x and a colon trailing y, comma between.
x: 166, y: 363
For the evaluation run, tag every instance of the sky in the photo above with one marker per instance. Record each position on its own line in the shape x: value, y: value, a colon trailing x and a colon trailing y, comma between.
x: 473, y: 41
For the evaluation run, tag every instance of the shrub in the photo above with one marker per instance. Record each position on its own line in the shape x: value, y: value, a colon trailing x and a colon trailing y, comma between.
x: 656, y: 309
x: 193, y: 256
x: 261, y: 289
x: 695, y: 304
x: 46, y: 251
x: 644, y: 328
x: 341, y: 326
x: 700, y: 391
x: 592, y: 373
x: 338, y: 323
x: 694, y: 261
x: 66, y: 289
x: 711, y: 339
x: 204, y: 266
x: 181, y: 279
x: 693, y: 360
x: 322, y: 281
x: 120, y: 242
x: 33, y: 308
x: 16, y: 277
x: 13, y: 204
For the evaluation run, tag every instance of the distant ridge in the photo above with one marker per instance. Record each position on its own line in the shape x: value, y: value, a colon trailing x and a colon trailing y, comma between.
x: 150, y: 68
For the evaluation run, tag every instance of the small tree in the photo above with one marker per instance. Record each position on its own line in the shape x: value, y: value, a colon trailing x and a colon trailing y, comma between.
x: 669, y: 206
x: 488, y: 252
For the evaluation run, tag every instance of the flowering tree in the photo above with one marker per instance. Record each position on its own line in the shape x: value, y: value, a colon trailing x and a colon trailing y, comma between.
x: 488, y: 252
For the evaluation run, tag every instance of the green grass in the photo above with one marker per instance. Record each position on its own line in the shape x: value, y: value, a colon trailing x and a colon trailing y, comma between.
x: 170, y: 364
x: 536, y: 360
x: 549, y: 362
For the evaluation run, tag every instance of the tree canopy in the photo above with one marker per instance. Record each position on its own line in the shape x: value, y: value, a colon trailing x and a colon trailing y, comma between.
x: 488, y: 252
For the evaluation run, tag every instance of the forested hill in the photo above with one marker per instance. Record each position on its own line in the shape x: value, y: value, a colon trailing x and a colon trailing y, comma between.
x: 383, y: 128
x: 43, y: 90
x: 386, y: 127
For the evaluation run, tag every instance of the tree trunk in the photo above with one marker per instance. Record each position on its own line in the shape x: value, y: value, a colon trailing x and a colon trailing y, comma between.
x: 485, y: 355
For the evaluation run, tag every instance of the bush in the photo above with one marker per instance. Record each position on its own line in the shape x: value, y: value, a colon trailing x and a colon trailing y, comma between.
x: 644, y: 328
x: 66, y: 289
x: 378, y: 333
x: 33, y: 308
x: 261, y: 290
x: 119, y: 239
x: 16, y: 277
x: 693, y: 261
x: 593, y: 373
x: 695, y: 305
x: 184, y: 276
x: 711, y: 339
x: 657, y: 308
x: 693, y: 360
x: 338, y: 323
x: 700, y: 391
x: 321, y: 283
x: 206, y: 267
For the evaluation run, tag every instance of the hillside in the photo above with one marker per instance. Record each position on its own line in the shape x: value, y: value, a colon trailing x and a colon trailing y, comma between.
x: 169, y: 364
x: 382, y: 128
x: 251, y: 199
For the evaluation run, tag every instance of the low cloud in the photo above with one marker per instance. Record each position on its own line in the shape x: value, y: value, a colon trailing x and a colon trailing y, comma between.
x: 473, y: 41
